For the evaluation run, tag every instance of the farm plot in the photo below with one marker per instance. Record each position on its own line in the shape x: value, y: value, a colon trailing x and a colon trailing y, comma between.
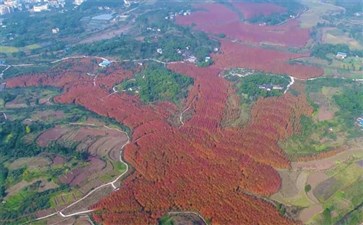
x: 267, y: 60
x: 250, y: 9
x: 166, y: 157
x: 329, y: 180
x: 206, y: 15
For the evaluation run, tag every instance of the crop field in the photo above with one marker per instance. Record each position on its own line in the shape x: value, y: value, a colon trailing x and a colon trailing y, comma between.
x: 152, y: 134
x: 332, y: 122
x: 252, y: 126
x: 11, y: 49
x: 317, y: 9
x: 230, y: 25
x: 330, y: 179
x: 51, y: 173
x: 8, y: 49
x: 249, y: 9
x: 267, y: 60
x: 336, y: 36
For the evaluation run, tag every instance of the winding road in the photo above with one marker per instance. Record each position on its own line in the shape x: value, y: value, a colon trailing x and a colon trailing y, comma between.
x: 112, y: 183
x: 2, y: 72
x: 290, y: 84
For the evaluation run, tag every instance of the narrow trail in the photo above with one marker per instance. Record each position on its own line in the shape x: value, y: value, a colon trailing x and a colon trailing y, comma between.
x: 94, y: 81
x: 290, y: 84
x: 2, y: 72
x: 111, y: 183
x: 181, y: 114
x: 5, y: 117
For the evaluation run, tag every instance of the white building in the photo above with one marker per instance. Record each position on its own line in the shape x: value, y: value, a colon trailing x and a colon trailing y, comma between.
x: 55, y: 30
x: 40, y: 8
x: 160, y: 51
x: 78, y: 2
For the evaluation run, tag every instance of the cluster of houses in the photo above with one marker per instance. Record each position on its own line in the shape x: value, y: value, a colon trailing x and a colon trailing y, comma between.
x: 172, y: 15
x: 10, y: 6
x: 187, y: 55
x: 240, y: 72
x: 153, y: 29
x: 270, y: 87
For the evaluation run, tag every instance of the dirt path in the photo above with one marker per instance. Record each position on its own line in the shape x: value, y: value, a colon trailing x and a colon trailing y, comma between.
x: 2, y: 72
x: 112, y: 183
x: 326, y: 163
x: 314, y: 174
x: 290, y: 84
x: 181, y: 114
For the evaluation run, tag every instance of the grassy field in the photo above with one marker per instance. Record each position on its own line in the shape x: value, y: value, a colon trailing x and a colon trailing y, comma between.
x: 8, y: 49
x: 11, y: 49
x: 31, y: 176
x: 316, y: 10
x: 343, y: 192
x: 335, y: 183
x: 332, y: 123
x: 336, y: 36
x: 32, y: 47
x: 64, y: 198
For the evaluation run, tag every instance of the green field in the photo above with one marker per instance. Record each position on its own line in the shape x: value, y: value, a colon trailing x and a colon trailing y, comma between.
x: 8, y: 49
x: 343, y: 99
x: 29, y: 177
x: 341, y: 193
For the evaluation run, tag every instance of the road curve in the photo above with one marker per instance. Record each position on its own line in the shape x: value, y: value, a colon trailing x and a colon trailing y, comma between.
x: 112, y: 183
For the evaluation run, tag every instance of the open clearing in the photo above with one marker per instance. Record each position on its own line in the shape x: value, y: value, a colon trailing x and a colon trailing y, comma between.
x: 328, y: 177
x: 30, y: 163
x: 316, y: 10
x: 336, y: 36
x: 8, y: 49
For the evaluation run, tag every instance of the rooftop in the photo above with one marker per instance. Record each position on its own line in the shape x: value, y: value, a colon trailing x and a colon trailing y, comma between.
x: 105, y: 63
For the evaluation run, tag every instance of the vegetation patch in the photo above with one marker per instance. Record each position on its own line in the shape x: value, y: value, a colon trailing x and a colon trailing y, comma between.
x: 318, y: 136
x: 251, y: 85
x: 166, y: 220
x: 156, y: 83
x: 8, y: 49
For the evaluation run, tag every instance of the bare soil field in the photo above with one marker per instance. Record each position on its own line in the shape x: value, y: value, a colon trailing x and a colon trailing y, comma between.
x: 30, y: 163
x: 106, y: 34
x: 97, y: 140
x: 313, y: 173
x: 50, y: 135
x: 48, y: 115
x: 80, y: 175
x: 327, y: 107
x: 326, y: 189
x: 91, y: 200
x: 317, y: 9
x: 335, y: 36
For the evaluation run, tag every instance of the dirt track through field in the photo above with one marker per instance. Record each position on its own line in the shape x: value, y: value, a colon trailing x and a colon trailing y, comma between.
x: 315, y: 174
x: 97, y: 189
